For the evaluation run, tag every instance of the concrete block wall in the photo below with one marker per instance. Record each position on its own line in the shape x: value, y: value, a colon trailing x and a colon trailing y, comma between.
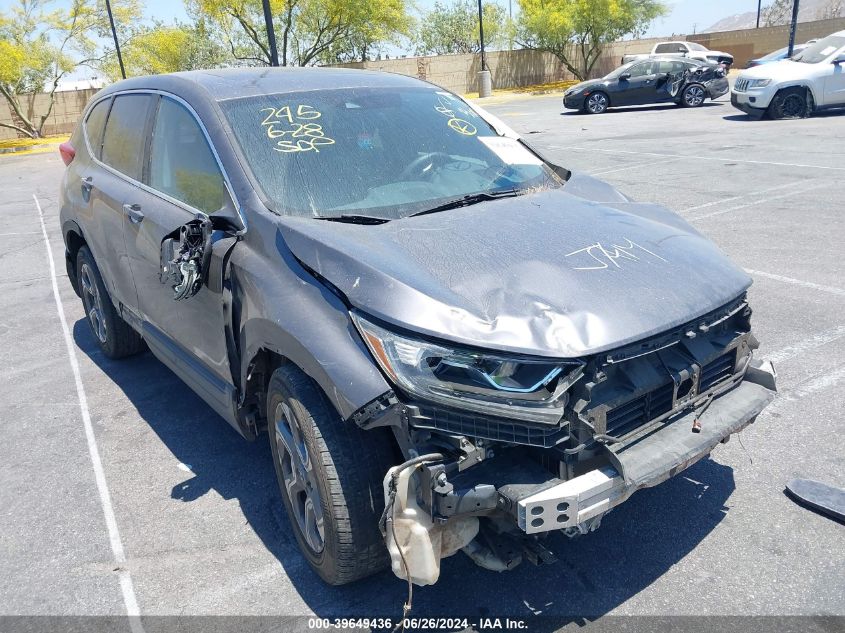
x: 67, y: 108
x: 749, y: 44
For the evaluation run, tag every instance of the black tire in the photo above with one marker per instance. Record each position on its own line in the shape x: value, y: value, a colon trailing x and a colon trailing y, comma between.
x: 790, y: 103
x: 596, y: 103
x: 113, y: 335
x: 343, y: 463
x: 693, y: 96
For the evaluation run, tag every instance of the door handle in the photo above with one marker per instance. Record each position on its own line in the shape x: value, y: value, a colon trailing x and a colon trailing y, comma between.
x: 134, y: 212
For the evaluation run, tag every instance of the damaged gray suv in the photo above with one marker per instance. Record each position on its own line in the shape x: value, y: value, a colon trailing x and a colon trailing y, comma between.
x: 451, y: 342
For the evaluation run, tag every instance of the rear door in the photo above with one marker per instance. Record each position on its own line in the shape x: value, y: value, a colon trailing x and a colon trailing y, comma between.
x: 182, y: 179
x: 111, y: 183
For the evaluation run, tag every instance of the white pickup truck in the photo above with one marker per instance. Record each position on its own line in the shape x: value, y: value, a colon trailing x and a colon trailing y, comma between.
x: 685, y: 49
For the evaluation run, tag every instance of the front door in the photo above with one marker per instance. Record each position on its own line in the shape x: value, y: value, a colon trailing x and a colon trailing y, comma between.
x: 640, y: 87
x: 183, y: 179
x: 834, y: 84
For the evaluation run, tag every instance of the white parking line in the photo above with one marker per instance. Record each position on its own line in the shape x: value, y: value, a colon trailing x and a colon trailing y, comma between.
x: 805, y: 389
x: 740, y: 197
x: 722, y: 159
x: 601, y: 172
x: 796, y: 282
x: 807, y: 344
x: 128, y: 591
x: 756, y: 202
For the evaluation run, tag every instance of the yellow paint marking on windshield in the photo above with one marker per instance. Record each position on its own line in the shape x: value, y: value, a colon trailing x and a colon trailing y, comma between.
x: 281, y: 123
x: 461, y: 126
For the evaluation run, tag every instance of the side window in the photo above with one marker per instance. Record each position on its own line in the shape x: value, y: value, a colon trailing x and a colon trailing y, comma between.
x: 664, y: 48
x: 181, y: 162
x: 123, y: 141
x: 682, y: 48
x: 94, y: 124
x: 640, y: 70
x: 672, y: 67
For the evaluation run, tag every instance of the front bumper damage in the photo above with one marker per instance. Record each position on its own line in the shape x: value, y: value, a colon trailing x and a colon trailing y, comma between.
x: 636, y: 416
x: 435, y: 507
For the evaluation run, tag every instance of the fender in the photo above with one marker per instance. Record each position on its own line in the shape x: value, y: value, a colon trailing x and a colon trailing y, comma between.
x: 292, y: 314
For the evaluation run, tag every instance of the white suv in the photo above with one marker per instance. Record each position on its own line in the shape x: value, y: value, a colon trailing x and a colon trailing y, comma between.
x: 792, y: 88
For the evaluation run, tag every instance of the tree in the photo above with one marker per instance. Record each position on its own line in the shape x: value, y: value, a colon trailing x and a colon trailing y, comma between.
x: 576, y: 31
x: 453, y: 28
x: 307, y: 31
x: 832, y: 9
x: 39, y: 46
x: 164, y: 48
x: 778, y: 13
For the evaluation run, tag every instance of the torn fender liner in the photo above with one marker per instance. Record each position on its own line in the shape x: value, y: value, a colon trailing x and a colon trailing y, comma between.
x: 647, y: 461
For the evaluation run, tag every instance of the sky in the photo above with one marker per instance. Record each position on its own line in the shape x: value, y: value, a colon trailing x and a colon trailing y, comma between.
x: 685, y: 16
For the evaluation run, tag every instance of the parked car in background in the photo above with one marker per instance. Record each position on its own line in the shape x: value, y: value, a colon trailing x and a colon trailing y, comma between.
x: 778, y: 55
x: 687, y: 82
x: 450, y: 342
x: 692, y: 50
x: 814, y: 79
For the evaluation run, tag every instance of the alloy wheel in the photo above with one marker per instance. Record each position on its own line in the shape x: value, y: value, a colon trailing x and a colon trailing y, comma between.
x: 300, y: 479
x: 93, y: 303
x: 597, y: 103
x: 694, y: 96
x: 793, y: 106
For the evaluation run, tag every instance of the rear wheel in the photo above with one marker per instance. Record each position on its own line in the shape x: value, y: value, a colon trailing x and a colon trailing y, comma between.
x: 330, y: 474
x: 693, y: 96
x: 115, y: 337
x: 596, y: 103
x: 791, y: 103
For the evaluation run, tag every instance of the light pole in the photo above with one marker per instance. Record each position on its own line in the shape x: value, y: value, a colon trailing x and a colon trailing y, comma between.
x: 116, y: 43
x: 485, y: 81
x: 792, y: 27
x: 271, y: 33
x: 759, y: 8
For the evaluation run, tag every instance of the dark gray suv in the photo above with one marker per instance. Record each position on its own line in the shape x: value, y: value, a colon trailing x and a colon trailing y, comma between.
x: 451, y: 342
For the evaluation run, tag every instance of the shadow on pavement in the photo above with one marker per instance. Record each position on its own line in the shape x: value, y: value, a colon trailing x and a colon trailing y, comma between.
x: 656, y: 107
x: 637, y: 543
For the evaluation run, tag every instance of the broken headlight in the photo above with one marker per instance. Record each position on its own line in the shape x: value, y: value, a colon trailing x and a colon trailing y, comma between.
x: 529, y: 389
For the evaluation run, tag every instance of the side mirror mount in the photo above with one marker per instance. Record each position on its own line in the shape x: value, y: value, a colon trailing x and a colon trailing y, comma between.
x: 624, y: 76
x: 840, y: 59
x: 185, y: 255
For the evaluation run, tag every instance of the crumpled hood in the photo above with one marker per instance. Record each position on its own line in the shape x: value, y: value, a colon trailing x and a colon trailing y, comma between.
x: 548, y: 273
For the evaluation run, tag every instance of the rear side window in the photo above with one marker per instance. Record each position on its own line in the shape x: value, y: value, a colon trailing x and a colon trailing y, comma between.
x: 182, y: 164
x: 94, y: 124
x: 123, y: 142
x: 664, y: 48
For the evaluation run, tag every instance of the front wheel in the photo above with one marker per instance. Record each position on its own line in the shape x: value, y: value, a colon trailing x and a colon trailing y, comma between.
x: 330, y: 475
x: 693, y: 96
x: 792, y: 103
x: 596, y: 103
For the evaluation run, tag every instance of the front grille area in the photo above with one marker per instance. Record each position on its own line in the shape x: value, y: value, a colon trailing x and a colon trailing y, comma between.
x: 741, y: 85
x: 717, y: 370
x: 634, y: 413
x: 498, y: 429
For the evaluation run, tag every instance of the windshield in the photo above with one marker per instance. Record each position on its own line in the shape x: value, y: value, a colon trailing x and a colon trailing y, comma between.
x: 696, y: 47
x: 381, y: 153
x: 821, y: 50
x: 621, y: 69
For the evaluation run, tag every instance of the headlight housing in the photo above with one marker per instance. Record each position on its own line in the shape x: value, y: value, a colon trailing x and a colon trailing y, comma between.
x: 529, y: 389
x: 758, y: 83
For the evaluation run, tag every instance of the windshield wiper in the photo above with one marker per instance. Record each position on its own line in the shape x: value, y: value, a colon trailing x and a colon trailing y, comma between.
x: 465, y: 201
x: 351, y: 218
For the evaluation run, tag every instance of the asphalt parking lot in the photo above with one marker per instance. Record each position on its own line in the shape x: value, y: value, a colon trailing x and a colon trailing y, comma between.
x: 199, y: 520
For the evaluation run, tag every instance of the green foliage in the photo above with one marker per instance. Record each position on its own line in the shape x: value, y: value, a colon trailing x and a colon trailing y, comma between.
x: 307, y: 31
x: 39, y: 45
x: 576, y: 31
x: 453, y: 28
x: 164, y: 48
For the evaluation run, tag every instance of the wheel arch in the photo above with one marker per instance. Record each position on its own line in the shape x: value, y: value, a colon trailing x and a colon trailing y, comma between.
x: 74, y: 239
